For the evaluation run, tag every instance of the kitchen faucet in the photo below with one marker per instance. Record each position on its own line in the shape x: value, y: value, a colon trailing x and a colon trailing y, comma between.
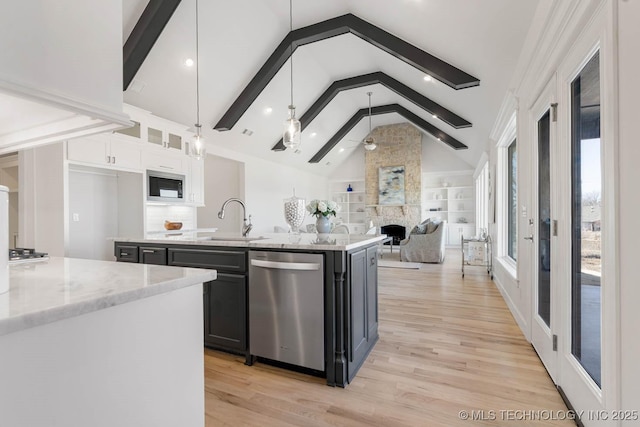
x: 246, y: 226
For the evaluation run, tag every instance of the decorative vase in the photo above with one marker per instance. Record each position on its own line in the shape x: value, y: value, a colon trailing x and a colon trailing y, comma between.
x: 323, y: 224
x: 294, y: 212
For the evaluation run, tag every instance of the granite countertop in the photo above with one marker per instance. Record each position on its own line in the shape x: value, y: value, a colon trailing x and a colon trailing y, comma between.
x: 48, y: 291
x: 304, y: 241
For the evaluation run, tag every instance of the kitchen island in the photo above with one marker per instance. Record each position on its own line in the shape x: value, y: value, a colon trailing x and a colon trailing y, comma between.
x: 99, y: 343
x: 349, y: 288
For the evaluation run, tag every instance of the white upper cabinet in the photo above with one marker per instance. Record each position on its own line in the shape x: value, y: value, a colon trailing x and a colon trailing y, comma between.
x: 61, y: 74
x: 105, y: 152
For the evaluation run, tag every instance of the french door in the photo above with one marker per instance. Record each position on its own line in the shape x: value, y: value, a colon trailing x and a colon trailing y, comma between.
x: 572, y: 233
x: 581, y: 367
x: 542, y: 227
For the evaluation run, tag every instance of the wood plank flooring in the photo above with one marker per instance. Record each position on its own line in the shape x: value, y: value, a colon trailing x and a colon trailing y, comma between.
x: 446, y: 345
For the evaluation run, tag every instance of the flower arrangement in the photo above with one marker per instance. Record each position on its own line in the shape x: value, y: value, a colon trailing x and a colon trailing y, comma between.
x: 323, y: 208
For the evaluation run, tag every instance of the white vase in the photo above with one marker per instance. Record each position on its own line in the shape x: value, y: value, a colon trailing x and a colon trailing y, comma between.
x: 323, y: 224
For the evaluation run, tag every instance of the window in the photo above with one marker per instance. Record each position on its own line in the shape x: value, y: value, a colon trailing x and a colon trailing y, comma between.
x: 482, y: 198
x: 512, y: 201
x: 586, y: 171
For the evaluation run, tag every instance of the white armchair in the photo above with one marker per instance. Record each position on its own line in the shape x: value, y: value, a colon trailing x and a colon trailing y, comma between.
x: 428, y: 247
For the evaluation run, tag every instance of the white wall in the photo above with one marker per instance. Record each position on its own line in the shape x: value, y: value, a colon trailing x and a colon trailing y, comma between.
x: 352, y: 167
x: 93, y: 200
x: 223, y: 179
x: 42, y: 199
x: 629, y: 202
x: 267, y: 184
x: 436, y: 157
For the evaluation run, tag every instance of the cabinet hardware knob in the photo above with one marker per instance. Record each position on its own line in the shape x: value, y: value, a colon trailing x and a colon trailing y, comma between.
x: 148, y: 251
x: 114, y: 159
x: 373, y: 261
x: 529, y: 238
x: 124, y: 254
x: 108, y: 159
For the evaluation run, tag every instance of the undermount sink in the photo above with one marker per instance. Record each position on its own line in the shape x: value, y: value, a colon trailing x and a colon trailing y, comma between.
x: 232, y: 238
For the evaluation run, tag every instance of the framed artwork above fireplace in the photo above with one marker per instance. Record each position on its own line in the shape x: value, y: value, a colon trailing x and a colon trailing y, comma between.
x: 391, y: 185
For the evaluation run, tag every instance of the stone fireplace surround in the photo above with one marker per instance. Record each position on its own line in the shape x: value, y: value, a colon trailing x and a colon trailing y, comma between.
x: 397, y: 145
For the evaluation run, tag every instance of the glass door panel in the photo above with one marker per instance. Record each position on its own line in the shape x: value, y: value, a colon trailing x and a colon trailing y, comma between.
x: 586, y: 215
x: 154, y: 136
x: 175, y: 141
x: 544, y: 221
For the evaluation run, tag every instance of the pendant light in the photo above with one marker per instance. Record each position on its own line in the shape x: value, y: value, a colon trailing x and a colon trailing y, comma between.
x: 198, y: 148
x: 292, y: 128
x: 369, y: 143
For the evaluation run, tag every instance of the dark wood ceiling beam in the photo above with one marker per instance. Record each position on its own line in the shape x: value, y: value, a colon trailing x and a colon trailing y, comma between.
x: 349, y: 23
x: 144, y: 35
x: 385, y: 109
x: 378, y: 77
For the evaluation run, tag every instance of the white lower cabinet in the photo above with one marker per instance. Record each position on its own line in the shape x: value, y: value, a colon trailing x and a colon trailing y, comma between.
x: 455, y: 231
x: 105, y: 152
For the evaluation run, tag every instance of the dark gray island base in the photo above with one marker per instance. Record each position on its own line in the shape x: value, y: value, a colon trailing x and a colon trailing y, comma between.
x: 350, y: 291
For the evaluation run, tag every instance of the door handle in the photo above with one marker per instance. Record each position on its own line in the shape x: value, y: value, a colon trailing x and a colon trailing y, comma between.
x: 309, y: 266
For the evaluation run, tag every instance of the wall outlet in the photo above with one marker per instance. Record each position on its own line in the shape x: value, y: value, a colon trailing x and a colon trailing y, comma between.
x: 76, y: 217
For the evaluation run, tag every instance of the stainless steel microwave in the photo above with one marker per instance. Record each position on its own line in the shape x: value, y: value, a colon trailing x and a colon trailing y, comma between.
x: 165, y: 187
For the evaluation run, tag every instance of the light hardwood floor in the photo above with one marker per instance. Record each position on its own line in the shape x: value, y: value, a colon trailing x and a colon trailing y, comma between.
x: 446, y: 345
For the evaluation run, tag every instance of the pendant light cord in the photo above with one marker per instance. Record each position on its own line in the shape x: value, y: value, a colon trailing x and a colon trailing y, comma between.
x: 197, y: 72
x: 291, y: 46
x: 369, y: 93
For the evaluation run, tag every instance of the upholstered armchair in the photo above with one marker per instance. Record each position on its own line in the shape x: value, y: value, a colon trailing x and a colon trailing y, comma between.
x: 426, y: 243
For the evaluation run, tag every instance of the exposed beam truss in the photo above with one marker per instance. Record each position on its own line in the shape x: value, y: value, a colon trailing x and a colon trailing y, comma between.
x: 378, y: 77
x: 385, y: 109
x: 144, y: 35
x: 349, y: 23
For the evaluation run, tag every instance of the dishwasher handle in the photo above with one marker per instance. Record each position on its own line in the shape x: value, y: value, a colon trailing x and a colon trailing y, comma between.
x: 278, y: 265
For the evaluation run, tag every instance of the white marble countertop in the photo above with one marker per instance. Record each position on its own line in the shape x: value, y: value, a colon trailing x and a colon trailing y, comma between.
x: 304, y: 241
x: 47, y: 291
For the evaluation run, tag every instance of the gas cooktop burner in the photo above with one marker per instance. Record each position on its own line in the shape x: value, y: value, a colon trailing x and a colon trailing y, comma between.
x: 25, y: 254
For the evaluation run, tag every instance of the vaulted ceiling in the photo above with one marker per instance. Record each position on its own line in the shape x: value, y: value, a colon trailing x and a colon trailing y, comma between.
x: 331, y: 76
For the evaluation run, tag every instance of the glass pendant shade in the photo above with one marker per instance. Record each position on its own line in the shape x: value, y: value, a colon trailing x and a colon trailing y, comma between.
x: 198, y: 148
x: 369, y: 145
x: 292, y: 130
x: 369, y: 142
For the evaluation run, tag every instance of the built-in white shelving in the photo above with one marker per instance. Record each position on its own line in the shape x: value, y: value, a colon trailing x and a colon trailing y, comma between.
x: 352, y: 204
x: 450, y: 196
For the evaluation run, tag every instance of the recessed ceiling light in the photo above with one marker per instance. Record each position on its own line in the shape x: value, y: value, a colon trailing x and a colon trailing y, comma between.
x: 427, y: 78
x: 439, y: 139
x: 268, y: 110
x: 189, y: 62
x: 434, y: 116
x: 341, y: 150
x: 313, y: 134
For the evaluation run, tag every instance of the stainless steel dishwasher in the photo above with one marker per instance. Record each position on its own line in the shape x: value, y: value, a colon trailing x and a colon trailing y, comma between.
x: 286, y: 307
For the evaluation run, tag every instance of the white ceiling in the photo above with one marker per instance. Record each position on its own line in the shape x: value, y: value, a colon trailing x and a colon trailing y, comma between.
x: 483, y: 38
